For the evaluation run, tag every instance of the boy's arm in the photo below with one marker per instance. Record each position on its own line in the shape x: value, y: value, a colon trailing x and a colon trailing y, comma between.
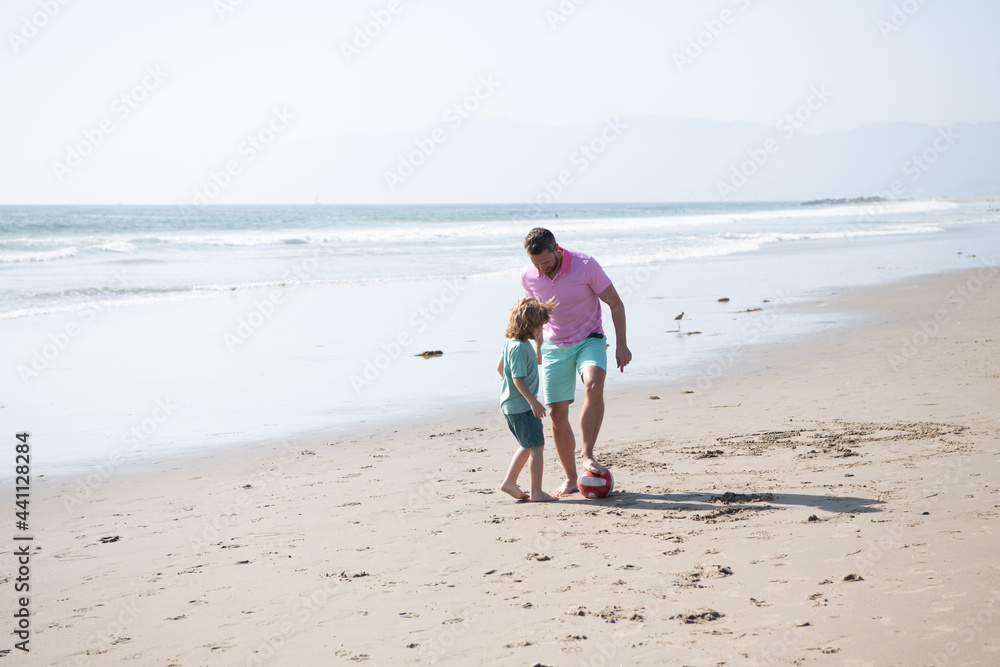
x: 500, y: 367
x: 537, y: 408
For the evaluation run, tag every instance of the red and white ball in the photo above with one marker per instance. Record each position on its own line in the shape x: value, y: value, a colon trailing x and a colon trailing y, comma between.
x: 595, y: 486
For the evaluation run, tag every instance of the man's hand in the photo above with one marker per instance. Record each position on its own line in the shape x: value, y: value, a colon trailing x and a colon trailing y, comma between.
x: 622, y: 357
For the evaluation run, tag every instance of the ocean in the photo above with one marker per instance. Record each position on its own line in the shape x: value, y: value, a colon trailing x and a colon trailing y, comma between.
x: 145, y: 330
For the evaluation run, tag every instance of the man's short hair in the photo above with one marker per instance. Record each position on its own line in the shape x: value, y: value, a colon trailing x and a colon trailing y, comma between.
x: 538, y: 240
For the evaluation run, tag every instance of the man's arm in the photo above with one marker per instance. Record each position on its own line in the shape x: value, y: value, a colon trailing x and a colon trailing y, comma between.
x: 622, y: 354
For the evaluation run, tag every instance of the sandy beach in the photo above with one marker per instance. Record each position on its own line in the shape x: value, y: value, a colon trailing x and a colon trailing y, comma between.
x: 830, y: 501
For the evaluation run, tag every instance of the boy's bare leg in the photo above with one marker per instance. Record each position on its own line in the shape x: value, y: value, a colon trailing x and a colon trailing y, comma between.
x: 509, y: 485
x: 562, y: 436
x: 592, y: 416
x: 535, y: 468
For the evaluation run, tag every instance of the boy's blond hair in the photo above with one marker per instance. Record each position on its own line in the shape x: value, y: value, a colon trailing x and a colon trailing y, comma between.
x: 527, y: 315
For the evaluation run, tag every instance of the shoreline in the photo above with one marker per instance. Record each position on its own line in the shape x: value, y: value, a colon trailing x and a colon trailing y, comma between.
x: 302, y: 372
x: 740, y: 356
x: 567, y: 201
x: 877, y: 527
x: 316, y: 357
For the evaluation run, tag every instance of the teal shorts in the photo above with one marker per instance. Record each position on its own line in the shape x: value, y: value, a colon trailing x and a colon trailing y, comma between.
x: 527, y: 428
x: 562, y: 365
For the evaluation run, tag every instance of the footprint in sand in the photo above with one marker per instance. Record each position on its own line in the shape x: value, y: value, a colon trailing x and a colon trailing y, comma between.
x: 615, y: 613
x: 693, y: 578
x: 703, y: 615
x: 72, y: 556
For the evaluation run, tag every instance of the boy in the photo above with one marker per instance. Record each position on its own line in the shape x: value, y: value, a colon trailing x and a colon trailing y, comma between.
x: 519, y: 368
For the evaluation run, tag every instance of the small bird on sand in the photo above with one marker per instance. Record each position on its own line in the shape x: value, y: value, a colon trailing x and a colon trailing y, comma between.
x: 678, y: 320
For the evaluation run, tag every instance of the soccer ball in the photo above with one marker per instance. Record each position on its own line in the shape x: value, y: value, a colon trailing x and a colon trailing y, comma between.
x: 595, y: 486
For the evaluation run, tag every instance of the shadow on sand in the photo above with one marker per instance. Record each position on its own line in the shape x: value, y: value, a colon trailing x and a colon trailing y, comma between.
x: 701, y: 502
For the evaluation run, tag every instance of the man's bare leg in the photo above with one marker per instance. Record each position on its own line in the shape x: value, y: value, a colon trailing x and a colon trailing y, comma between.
x: 592, y: 416
x: 562, y: 436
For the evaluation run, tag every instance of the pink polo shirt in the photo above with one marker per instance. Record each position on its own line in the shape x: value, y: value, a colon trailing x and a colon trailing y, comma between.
x: 576, y: 286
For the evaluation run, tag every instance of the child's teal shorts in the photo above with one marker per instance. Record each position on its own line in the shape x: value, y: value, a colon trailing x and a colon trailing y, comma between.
x: 527, y: 428
x: 562, y: 365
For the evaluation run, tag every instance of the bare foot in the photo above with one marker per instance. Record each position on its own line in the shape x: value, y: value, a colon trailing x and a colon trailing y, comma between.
x: 514, y: 491
x: 541, y: 497
x: 567, y: 488
x: 593, y: 466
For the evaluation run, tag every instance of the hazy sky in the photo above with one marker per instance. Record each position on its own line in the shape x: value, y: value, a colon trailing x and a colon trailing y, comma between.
x: 183, y: 82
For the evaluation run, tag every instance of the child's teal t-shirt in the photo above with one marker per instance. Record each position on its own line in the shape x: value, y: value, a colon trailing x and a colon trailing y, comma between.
x: 519, y: 361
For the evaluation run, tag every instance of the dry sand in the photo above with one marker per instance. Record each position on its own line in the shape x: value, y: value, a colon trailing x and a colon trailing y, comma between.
x: 868, y: 534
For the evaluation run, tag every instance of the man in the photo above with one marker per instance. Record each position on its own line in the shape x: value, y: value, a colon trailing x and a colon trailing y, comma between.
x: 574, y: 343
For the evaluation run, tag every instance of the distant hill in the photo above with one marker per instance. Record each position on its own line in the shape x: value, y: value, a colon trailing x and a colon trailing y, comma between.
x: 646, y: 159
x: 649, y: 159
